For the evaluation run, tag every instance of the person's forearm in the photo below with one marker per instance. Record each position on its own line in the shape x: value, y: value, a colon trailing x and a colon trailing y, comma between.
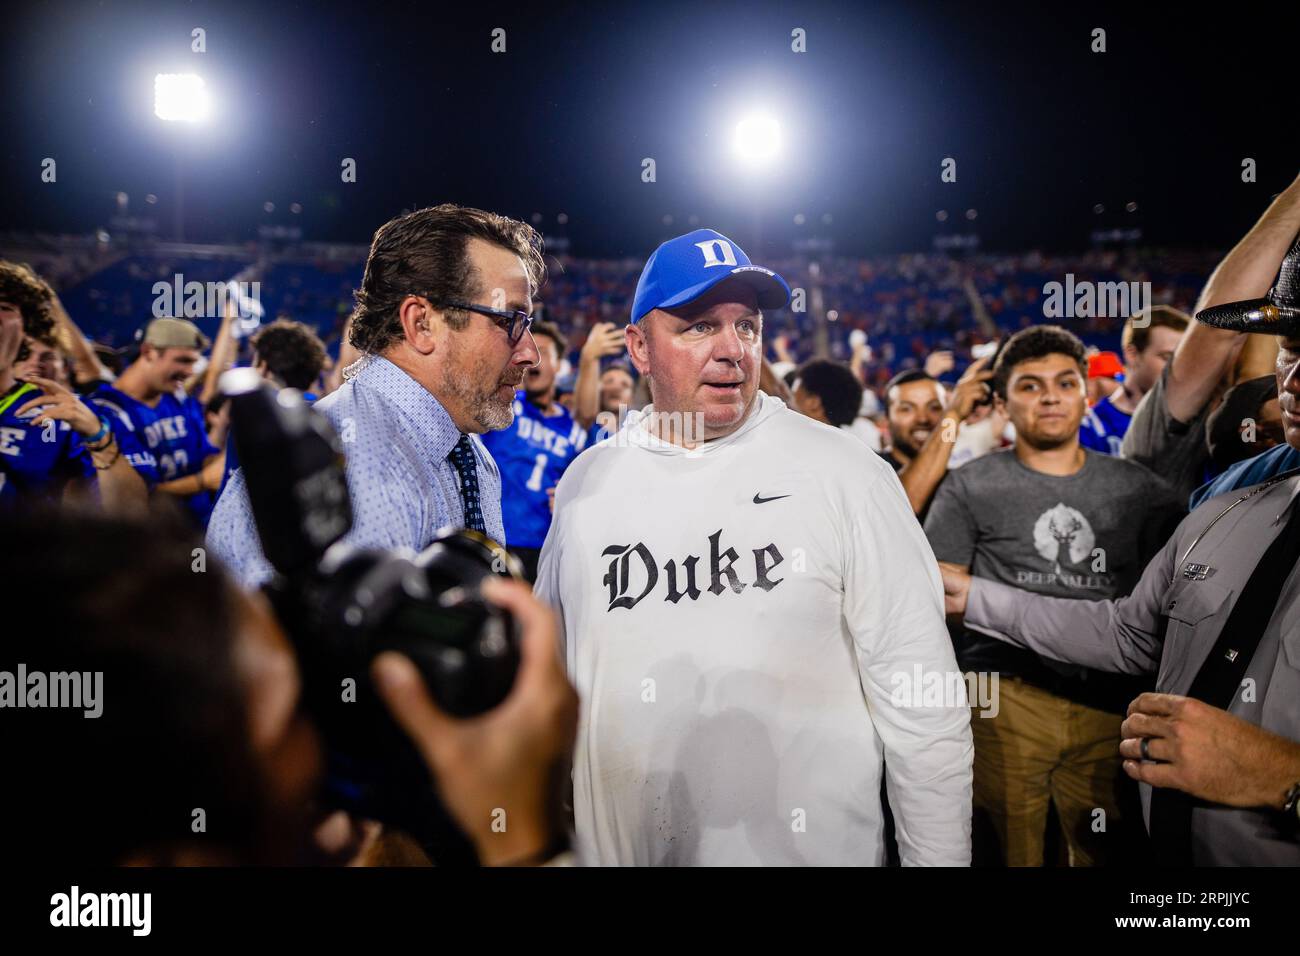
x: 182, y: 487
x: 586, y: 391
x: 223, y: 354
x: 86, y: 364
x: 1089, y: 633
x: 858, y: 364
x: 923, y: 473
x: 1247, y: 272
x: 121, y: 489
x: 207, y: 478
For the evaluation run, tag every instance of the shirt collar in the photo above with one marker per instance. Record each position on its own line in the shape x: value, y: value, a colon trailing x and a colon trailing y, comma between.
x: 431, y: 426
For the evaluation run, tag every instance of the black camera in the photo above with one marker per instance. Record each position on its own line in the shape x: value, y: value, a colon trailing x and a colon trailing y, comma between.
x: 342, y: 606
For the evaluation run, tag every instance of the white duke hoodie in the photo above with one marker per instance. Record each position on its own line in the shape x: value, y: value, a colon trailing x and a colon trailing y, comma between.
x: 746, y: 624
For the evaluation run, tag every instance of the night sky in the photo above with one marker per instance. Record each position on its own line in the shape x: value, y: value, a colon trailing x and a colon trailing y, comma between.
x: 1041, y: 127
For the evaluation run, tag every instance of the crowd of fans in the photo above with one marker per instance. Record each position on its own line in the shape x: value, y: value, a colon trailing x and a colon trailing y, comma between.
x: 946, y: 367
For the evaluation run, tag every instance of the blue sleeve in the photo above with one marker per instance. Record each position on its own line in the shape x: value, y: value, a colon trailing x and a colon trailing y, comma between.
x: 79, y: 461
x: 1246, y: 473
x: 1092, y: 433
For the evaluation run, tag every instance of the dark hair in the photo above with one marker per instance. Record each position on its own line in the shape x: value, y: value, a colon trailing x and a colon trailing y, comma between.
x: 905, y: 378
x: 836, y: 385
x: 292, y: 352
x: 123, y: 598
x: 111, y: 357
x: 22, y: 287
x: 427, y: 252
x: 1036, y: 342
x: 618, y: 365
x: 1160, y: 315
x: 552, y: 332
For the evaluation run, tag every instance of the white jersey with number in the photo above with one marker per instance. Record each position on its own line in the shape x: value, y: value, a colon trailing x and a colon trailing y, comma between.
x: 755, y: 628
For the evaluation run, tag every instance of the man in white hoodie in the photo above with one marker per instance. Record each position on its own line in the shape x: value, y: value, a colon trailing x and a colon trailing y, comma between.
x: 751, y: 614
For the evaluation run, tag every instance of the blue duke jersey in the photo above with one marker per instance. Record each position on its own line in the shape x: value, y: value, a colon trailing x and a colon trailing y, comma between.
x: 36, y: 462
x: 165, y: 442
x: 1103, y: 427
x: 532, y: 455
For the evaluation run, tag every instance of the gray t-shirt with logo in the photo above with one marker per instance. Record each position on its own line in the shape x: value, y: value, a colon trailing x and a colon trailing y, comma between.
x: 1086, y: 536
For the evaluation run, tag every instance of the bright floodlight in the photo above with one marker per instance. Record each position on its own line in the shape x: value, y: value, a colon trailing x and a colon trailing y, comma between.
x: 180, y: 97
x: 758, y: 139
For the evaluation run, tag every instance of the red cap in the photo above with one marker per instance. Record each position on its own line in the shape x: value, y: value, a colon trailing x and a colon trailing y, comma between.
x: 1105, y: 365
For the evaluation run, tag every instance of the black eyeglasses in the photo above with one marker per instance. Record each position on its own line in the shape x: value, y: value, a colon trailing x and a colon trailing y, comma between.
x: 515, y: 323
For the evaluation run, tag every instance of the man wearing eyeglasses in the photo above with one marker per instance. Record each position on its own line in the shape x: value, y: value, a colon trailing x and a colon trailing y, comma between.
x: 443, y: 324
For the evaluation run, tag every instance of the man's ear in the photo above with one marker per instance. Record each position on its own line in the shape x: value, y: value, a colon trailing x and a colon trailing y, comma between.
x: 420, y: 323
x: 637, y: 346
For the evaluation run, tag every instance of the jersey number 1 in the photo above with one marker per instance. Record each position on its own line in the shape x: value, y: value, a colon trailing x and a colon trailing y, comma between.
x: 535, y: 479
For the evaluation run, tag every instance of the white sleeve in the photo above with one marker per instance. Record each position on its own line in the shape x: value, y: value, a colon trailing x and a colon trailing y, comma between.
x: 893, y: 605
x: 547, y: 586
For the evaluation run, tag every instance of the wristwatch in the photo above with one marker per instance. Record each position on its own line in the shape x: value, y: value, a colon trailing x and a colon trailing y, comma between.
x: 1292, y: 804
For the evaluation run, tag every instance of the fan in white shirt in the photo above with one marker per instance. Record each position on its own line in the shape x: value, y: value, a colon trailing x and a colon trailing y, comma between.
x: 749, y: 611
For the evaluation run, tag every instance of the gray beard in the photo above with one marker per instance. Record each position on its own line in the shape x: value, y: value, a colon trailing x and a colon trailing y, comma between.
x: 488, y: 413
x: 494, y: 417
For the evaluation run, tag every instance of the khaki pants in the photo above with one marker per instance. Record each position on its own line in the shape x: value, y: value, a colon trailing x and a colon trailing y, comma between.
x: 1041, y: 748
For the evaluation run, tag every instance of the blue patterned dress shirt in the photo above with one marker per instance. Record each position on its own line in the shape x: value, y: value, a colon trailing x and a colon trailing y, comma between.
x: 396, y: 437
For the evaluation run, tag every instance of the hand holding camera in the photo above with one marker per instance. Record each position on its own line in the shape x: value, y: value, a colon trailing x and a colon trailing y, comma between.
x: 499, y: 774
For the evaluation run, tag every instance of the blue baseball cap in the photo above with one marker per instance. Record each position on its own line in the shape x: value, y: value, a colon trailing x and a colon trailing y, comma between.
x: 683, y: 269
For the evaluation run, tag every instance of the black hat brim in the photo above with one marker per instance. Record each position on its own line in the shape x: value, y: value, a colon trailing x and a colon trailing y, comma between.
x: 1252, y: 315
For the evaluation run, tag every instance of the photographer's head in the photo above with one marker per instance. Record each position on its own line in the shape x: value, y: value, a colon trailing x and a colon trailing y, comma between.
x: 1040, y: 382
x: 198, y: 754
x: 443, y: 297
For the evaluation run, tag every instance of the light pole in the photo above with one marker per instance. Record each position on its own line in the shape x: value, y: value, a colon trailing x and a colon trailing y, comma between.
x: 756, y: 142
x: 180, y: 98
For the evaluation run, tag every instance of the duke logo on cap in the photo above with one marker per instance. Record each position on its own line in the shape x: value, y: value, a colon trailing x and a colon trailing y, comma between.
x: 683, y: 269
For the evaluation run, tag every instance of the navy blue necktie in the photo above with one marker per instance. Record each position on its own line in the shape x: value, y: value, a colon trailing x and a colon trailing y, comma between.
x: 462, y: 459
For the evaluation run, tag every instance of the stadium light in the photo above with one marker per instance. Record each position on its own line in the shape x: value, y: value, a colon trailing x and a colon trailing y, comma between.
x: 180, y: 97
x: 757, y: 140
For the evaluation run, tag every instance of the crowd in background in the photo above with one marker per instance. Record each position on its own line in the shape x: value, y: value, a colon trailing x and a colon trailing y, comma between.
x: 936, y: 363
